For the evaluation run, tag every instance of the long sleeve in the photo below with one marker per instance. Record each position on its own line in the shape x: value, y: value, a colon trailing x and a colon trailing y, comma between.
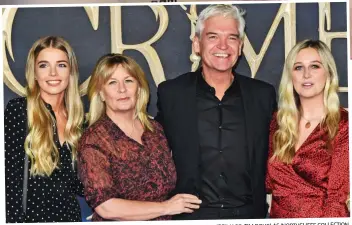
x: 273, y: 128
x: 338, y: 184
x: 95, y: 173
x: 159, y: 117
x: 15, y: 123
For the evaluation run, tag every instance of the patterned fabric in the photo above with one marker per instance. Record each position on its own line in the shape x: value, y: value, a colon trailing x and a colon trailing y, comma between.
x: 50, y: 199
x: 112, y: 165
x: 316, y: 183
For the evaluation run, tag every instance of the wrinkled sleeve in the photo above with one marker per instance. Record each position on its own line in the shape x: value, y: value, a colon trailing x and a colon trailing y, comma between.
x: 338, y: 184
x: 160, y: 104
x: 273, y: 128
x: 15, y: 123
x: 94, y: 172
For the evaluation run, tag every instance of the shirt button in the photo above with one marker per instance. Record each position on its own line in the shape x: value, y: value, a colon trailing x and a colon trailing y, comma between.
x: 222, y: 206
x: 220, y: 104
x: 220, y: 151
x: 220, y: 127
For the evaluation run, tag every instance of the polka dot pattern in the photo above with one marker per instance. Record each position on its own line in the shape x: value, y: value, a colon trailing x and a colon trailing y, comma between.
x: 49, y: 199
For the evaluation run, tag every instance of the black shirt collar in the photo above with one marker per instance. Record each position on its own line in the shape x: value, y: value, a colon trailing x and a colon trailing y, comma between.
x: 234, y: 88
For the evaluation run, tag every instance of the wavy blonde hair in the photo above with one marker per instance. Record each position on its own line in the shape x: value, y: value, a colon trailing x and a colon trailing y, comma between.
x: 103, y: 70
x: 39, y: 144
x: 288, y: 116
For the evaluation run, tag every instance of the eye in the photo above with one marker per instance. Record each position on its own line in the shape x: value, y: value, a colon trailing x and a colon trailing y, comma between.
x: 129, y: 80
x: 315, y: 66
x: 212, y: 36
x: 62, y: 65
x: 43, y: 65
x: 297, y: 68
x: 233, y: 38
x: 112, y: 82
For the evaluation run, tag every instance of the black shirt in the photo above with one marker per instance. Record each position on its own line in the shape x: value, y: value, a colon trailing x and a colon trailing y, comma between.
x: 49, y: 199
x: 225, y: 172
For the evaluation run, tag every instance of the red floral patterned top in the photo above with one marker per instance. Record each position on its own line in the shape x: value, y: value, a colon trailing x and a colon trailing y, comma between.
x: 112, y: 165
x: 316, y: 183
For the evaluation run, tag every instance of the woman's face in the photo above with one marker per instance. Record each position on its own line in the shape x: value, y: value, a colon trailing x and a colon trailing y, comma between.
x: 120, y: 92
x: 52, y: 72
x: 308, y: 74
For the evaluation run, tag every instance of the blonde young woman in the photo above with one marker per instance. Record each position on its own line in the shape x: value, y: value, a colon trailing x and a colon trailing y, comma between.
x: 308, y: 167
x: 45, y: 126
x: 124, y: 161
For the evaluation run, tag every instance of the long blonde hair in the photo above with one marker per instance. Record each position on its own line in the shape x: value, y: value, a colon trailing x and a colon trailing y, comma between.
x: 39, y: 144
x: 103, y: 70
x: 288, y: 116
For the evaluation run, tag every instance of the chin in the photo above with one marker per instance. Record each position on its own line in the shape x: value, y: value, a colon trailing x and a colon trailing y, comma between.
x: 54, y: 92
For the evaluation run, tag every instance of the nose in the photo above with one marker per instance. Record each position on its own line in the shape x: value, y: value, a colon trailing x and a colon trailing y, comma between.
x: 122, y: 87
x: 53, y: 71
x: 222, y: 43
x: 307, y: 73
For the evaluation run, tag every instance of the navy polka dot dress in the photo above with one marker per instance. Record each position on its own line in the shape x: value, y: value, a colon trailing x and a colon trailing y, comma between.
x: 49, y: 199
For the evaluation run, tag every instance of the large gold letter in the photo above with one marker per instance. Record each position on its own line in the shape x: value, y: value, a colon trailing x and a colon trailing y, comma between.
x: 325, y: 36
x: 145, y: 48
x: 286, y: 11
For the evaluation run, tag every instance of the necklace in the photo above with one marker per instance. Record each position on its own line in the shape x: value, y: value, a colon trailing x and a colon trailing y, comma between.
x: 308, y: 124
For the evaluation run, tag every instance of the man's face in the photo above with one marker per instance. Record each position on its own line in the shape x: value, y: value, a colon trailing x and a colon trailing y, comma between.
x: 219, y: 44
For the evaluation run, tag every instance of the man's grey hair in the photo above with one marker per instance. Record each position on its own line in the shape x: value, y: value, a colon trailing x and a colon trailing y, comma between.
x: 221, y: 10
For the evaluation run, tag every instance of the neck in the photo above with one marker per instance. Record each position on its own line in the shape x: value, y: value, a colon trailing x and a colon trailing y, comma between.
x: 312, y: 109
x: 121, y: 119
x: 217, y: 79
x: 56, y: 101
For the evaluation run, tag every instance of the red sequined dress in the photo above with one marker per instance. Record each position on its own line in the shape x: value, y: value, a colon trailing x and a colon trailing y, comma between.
x: 316, y: 183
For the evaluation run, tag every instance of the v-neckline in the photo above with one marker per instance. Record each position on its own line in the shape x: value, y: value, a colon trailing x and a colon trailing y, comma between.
x: 311, y: 133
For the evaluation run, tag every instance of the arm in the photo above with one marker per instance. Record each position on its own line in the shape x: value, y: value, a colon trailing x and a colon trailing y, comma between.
x: 159, y: 116
x: 100, y: 192
x: 14, y: 161
x: 338, y: 184
x: 274, y: 102
x: 271, y: 135
x: 121, y: 209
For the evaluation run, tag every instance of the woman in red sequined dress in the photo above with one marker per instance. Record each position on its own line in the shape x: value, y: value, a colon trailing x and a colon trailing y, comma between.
x: 124, y: 161
x: 308, y: 165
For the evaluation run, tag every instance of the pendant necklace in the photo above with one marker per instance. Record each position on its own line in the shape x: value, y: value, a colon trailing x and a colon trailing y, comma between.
x: 308, y: 124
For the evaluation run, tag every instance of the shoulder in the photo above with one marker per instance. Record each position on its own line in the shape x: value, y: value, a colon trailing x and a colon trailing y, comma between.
x: 180, y: 81
x: 156, y: 125
x: 342, y: 133
x: 95, y: 133
x: 16, y: 104
x: 258, y: 85
x: 343, y: 125
x: 343, y: 115
x: 15, y: 111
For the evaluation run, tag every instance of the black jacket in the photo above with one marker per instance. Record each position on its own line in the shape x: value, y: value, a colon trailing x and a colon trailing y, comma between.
x: 177, y: 113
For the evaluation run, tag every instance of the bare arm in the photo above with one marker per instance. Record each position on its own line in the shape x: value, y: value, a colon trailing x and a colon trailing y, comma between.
x: 121, y: 209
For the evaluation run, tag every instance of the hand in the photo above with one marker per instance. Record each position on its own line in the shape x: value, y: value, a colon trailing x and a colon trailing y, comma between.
x: 348, y: 202
x: 181, y: 203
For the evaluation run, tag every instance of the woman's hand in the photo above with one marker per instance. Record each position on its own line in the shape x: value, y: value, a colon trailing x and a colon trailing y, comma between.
x: 348, y: 202
x: 181, y: 203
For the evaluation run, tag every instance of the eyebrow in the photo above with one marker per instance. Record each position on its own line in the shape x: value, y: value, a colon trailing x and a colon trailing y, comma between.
x: 128, y: 76
x: 45, y: 61
x: 214, y: 33
x: 315, y: 61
